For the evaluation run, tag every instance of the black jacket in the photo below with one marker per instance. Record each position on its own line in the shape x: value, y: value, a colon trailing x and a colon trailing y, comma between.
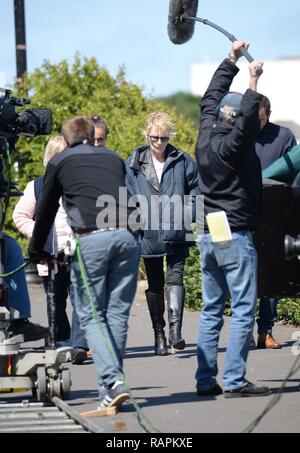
x: 229, y: 169
x: 273, y: 142
x: 179, y: 179
x: 38, y: 188
x: 89, y: 179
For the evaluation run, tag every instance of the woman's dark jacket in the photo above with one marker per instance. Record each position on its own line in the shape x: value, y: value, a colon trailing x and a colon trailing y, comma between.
x: 179, y: 179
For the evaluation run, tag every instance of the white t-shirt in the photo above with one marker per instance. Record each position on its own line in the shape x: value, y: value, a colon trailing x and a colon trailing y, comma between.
x: 159, y: 168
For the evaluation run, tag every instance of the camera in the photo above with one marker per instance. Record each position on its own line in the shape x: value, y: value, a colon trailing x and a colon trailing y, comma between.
x: 14, y: 122
x: 31, y: 122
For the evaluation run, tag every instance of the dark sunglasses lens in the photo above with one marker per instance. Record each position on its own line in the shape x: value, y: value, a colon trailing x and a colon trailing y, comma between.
x: 162, y: 139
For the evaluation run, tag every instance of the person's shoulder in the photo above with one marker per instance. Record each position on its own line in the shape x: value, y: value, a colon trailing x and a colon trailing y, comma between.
x: 109, y: 152
x: 184, y: 155
x: 30, y: 185
x: 110, y: 155
x: 136, y: 156
x: 187, y: 156
x: 286, y: 132
x: 128, y: 160
x: 29, y: 189
x: 281, y: 130
x: 57, y: 158
x: 190, y: 163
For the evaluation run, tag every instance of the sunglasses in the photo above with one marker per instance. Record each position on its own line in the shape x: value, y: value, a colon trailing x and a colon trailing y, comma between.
x: 155, y: 138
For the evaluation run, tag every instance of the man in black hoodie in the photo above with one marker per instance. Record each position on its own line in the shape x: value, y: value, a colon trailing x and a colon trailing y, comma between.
x: 230, y: 181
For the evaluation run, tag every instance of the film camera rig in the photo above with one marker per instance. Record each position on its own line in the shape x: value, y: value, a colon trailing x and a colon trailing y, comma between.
x: 14, y: 122
x: 39, y: 370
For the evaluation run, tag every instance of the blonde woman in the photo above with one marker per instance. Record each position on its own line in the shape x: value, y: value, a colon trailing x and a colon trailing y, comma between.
x: 23, y: 217
x: 158, y: 170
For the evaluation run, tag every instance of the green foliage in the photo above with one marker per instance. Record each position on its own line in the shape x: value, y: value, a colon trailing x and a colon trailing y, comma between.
x: 185, y: 103
x: 192, y: 280
x: 86, y: 88
x: 289, y: 311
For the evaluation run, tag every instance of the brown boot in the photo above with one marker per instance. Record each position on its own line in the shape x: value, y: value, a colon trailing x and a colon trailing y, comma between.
x: 267, y: 341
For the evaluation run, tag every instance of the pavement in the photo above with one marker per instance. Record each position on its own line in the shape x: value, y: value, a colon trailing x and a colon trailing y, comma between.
x: 164, y: 387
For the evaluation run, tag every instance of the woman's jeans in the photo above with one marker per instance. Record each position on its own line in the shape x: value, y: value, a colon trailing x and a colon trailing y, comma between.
x: 18, y: 296
x: 228, y: 270
x: 267, y: 314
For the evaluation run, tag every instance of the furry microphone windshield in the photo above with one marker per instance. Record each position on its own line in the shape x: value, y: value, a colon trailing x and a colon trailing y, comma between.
x: 181, y: 25
x: 180, y: 30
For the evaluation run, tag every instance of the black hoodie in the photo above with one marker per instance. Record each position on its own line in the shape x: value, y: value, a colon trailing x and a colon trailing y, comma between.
x: 229, y: 169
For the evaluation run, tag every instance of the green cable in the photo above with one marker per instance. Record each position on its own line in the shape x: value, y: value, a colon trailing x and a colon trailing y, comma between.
x: 144, y: 421
x: 9, y: 274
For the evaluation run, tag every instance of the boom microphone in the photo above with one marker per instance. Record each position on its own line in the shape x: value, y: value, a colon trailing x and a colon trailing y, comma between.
x: 180, y: 31
x: 181, y: 25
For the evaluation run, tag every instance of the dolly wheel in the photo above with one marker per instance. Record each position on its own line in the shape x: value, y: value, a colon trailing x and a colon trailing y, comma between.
x: 65, y: 384
x: 41, y: 384
x: 54, y: 387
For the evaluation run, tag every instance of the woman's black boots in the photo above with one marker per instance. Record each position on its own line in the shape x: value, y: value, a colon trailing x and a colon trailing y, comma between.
x: 175, y: 297
x: 156, y: 306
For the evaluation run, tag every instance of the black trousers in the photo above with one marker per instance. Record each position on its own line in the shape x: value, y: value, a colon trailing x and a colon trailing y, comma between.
x: 175, y: 270
x: 62, y: 285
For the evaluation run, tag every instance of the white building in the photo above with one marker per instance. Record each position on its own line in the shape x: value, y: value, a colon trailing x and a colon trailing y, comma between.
x: 280, y: 82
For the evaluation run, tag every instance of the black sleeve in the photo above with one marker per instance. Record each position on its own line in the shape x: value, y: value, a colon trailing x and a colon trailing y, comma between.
x: 46, y: 209
x: 246, y: 128
x: 219, y: 86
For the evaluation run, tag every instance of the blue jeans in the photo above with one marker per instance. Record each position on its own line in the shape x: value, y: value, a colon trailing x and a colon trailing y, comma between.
x: 111, y: 260
x: 267, y: 314
x: 77, y: 334
x: 18, y: 296
x: 228, y: 270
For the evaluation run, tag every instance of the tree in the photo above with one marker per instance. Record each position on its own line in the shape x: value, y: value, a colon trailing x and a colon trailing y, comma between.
x: 185, y: 103
x: 86, y: 88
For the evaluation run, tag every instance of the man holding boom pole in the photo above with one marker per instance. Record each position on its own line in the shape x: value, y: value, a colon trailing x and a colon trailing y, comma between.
x: 230, y: 180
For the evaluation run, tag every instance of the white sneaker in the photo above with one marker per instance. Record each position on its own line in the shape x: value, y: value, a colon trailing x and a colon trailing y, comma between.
x: 115, y: 396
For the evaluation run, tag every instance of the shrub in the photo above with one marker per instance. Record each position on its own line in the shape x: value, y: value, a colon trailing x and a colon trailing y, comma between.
x: 289, y: 311
x: 192, y: 280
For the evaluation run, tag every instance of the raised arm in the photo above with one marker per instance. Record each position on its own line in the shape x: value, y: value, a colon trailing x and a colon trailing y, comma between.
x: 220, y: 84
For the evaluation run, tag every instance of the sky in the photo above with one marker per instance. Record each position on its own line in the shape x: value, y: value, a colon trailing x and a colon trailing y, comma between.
x: 134, y: 33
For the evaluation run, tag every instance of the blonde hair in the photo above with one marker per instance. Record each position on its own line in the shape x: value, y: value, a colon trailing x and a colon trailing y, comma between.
x: 55, y: 145
x: 161, y: 121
